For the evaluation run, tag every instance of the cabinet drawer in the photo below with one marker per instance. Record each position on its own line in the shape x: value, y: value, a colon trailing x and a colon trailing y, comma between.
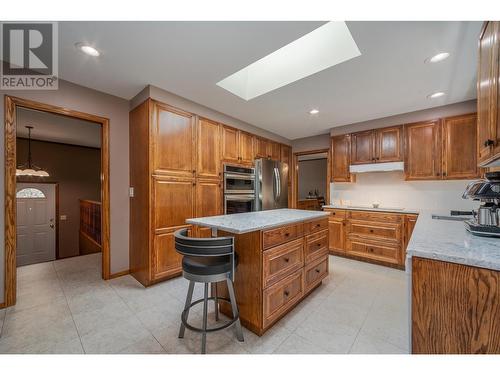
x: 373, y: 250
x: 336, y: 214
x: 280, y: 297
x: 316, y: 225
x: 315, y: 272
x: 282, y: 260
x: 384, y: 217
x: 375, y: 230
x: 316, y: 245
x: 277, y: 236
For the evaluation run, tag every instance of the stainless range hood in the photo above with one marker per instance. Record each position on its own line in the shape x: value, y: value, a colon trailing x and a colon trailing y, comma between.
x: 377, y: 167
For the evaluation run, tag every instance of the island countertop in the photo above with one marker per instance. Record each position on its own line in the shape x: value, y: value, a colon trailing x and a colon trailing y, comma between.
x: 259, y: 220
x: 449, y: 241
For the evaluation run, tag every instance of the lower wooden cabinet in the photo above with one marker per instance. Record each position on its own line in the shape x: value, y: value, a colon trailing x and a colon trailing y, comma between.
x: 281, y: 260
x: 166, y: 261
x: 374, y: 250
x: 409, y: 221
x: 315, y: 272
x: 316, y: 245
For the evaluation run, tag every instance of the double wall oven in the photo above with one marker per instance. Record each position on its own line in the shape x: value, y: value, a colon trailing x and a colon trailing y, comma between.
x: 239, y: 189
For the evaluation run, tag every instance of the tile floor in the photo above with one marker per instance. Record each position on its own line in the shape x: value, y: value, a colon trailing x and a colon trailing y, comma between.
x: 65, y: 307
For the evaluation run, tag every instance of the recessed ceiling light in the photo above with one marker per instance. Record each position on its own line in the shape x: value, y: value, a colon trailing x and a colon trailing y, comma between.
x: 87, y: 49
x: 437, y: 58
x: 328, y: 45
x: 314, y: 111
x: 436, y: 95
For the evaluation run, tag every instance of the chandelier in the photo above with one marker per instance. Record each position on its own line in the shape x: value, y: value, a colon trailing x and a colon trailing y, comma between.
x: 30, y: 169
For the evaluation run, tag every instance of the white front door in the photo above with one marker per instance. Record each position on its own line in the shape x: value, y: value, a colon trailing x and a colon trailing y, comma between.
x: 36, y: 226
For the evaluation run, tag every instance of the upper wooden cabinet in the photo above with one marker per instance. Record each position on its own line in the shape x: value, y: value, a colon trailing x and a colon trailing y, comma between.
x: 246, y: 141
x: 422, y: 152
x: 377, y: 146
x: 261, y: 147
x: 340, y: 153
x: 273, y: 150
x: 459, y: 149
x: 173, y: 137
x: 389, y: 144
x: 286, y: 155
x: 208, y: 152
x: 237, y: 146
x: 230, y: 144
x: 488, y: 93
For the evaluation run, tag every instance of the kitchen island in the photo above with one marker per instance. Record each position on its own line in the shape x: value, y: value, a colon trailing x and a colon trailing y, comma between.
x: 454, y: 288
x: 282, y: 257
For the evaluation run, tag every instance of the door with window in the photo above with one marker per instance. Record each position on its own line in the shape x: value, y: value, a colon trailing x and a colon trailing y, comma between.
x: 36, y: 226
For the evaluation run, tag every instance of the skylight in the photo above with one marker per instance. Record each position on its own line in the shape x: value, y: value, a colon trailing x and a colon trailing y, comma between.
x: 322, y: 48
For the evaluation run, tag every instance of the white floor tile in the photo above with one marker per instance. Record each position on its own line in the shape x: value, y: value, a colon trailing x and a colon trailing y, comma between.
x: 295, y: 344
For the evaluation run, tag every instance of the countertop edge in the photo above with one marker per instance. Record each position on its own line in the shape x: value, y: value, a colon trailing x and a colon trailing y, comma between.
x: 373, y: 209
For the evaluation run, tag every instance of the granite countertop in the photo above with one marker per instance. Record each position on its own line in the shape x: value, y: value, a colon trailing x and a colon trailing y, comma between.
x: 369, y: 208
x: 449, y: 241
x: 253, y: 221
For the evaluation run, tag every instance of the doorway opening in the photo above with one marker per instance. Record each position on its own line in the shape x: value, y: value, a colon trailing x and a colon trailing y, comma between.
x: 312, y: 179
x: 57, y: 187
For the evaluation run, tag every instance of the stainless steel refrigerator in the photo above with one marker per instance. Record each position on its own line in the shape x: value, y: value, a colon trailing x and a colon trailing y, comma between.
x: 271, y: 187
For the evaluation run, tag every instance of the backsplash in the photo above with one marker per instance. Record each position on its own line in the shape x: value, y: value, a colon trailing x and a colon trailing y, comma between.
x: 391, y: 190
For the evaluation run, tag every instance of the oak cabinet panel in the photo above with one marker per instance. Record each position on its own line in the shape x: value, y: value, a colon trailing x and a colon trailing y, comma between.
x: 286, y: 155
x: 246, y: 150
x: 273, y: 150
x: 488, y: 93
x: 208, y: 198
x: 174, y: 141
x: 173, y: 202
x: 230, y: 144
x: 261, y: 147
x: 208, y: 141
x: 316, y: 246
x: 459, y: 149
x: 363, y: 147
x: 389, y: 144
x: 422, y: 154
x: 379, y: 251
x: 166, y: 260
x: 282, y: 260
x: 315, y: 272
x: 336, y: 233
x: 341, y: 156
x: 409, y: 225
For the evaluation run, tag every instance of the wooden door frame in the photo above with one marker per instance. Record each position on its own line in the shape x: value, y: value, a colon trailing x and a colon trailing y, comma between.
x: 11, y: 104
x: 295, y: 177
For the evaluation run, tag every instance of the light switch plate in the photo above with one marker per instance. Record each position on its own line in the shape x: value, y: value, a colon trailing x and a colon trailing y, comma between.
x: 63, y: 217
x: 131, y: 192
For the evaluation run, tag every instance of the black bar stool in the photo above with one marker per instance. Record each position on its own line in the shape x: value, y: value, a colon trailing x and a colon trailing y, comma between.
x: 207, y: 260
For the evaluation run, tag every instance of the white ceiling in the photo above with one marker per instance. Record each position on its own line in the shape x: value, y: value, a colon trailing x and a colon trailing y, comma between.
x: 58, y: 128
x: 189, y: 58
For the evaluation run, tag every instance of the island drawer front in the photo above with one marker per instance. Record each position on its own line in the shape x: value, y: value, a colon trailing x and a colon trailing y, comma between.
x: 282, y: 296
x: 384, y: 217
x: 315, y: 225
x: 315, y: 272
x: 316, y: 245
x: 375, y: 230
x: 336, y: 214
x: 385, y: 252
x: 277, y: 236
x: 282, y: 260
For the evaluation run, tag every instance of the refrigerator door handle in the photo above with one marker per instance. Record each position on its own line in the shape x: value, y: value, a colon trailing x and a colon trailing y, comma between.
x: 278, y: 179
x: 275, y: 184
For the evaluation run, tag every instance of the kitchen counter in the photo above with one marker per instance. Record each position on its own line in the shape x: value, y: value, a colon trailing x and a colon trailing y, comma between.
x: 369, y: 208
x: 448, y: 241
x: 255, y: 221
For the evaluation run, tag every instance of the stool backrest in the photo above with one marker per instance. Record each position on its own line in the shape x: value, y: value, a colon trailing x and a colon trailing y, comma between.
x: 191, y: 246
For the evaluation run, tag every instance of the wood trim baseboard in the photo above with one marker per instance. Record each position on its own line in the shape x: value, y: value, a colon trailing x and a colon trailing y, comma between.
x: 119, y: 274
x: 10, y: 105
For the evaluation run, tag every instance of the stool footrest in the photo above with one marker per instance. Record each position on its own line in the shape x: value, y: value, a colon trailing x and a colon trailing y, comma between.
x: 196, y: 329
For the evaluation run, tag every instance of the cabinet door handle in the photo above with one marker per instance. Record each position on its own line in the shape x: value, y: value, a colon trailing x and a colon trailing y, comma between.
x: 317, y: 270
x: 489, y: 142
x: 287, y: 234
x: 371, y: 230
x: 286, y: 293
x: 286, y: 259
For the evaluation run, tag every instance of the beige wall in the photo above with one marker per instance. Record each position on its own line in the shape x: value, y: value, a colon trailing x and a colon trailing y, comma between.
x: 317, y: 142
x: 116, y: 109
x: 77, y: 171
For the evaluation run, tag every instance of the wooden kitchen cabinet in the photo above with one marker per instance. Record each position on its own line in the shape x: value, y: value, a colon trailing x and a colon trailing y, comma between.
x: 208, y: 149
x: 286, y: 156
x: 261, y: 148
x: 363, y: 147
x: 173, y: 135
x: 423, y: 150
x: 208, y: 202
x: 340, y: 150
x: 273, y: 150
x: 409, y: 225
x: 377, y: 146
x: 166, y: 260
x: 246, y: 147
x: 389, y: 144
x: 488, y: 94
x: 336, y: 230
x: 230, y: 144
x: 459, y: 148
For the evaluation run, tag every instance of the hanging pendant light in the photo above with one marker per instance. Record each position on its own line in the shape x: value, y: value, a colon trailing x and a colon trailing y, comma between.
x: 30, y: 169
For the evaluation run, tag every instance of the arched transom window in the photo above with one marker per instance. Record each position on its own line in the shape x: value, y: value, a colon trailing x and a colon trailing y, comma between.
x: 30, y: 193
